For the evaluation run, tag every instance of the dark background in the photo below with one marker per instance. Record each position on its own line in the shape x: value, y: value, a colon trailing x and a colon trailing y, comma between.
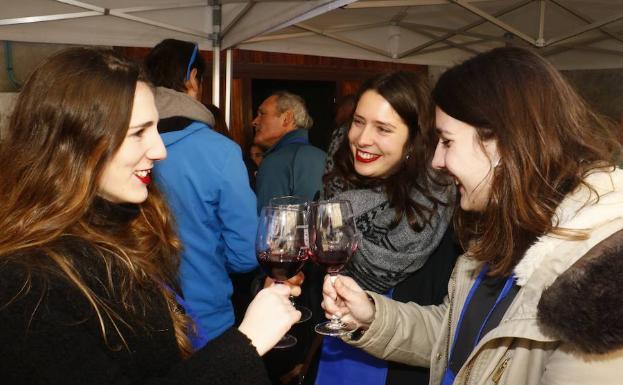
x: 319, y: 98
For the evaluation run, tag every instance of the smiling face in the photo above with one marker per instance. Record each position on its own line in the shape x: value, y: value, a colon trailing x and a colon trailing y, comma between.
x: 377, y: 137
x: 128, y: 172
x: 469, y: 161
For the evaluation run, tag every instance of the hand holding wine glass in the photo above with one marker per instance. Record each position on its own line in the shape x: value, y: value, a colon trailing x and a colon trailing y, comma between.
x: 333, y: 241
x: 295, y: 203
x: 268, y: 317
x: 345, y: 297
x: 282, y: 247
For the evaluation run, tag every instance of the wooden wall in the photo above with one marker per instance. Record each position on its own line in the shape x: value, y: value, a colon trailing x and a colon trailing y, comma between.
x: 348, y: 74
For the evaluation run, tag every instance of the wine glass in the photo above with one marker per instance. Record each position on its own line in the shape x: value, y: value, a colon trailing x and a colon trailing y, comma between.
x: 333, y: 241
x: 281, y: 247
x: 292, y: 201
x: 296, y: 203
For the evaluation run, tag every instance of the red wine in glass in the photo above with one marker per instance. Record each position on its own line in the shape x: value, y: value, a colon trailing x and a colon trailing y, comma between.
x: 333, y: 241
x: 281, y: 267
x: 296, y: 203
x: 332, y: 260
x: 281, y: 247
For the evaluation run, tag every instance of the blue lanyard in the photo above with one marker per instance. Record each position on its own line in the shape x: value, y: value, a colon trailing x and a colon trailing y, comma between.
x: 505, y: 290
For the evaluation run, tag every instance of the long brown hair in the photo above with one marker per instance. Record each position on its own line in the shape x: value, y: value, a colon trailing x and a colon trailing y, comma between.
x: 69, y: 120
x: 548, y: 139
x: 409, y: 95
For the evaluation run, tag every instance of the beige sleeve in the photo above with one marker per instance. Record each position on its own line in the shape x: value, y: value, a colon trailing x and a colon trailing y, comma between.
x: 402, y: 332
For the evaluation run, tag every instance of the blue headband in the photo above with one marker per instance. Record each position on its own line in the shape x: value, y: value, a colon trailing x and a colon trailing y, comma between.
x: 192, y: 60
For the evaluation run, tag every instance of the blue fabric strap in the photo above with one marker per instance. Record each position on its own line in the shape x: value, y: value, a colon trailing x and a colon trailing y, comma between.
x: 448, y: 378
x: 505, y: 290
x: 191, y: 61
x: 198, y: 339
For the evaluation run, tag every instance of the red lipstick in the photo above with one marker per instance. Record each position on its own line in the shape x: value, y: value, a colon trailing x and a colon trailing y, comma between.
x: 365, y: 160
x: 145, y: 179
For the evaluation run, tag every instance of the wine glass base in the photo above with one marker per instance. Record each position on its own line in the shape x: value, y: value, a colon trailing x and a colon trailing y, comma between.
x: 305, y: 313
x: 287, y: 341
x: 334, y: 329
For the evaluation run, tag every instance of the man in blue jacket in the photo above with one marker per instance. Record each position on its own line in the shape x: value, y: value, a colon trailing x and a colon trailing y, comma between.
x: 207, y: 187
x: 291, y: 165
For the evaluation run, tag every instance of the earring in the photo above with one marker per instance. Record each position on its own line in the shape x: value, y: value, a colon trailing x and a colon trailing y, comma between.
x: 407, y: 156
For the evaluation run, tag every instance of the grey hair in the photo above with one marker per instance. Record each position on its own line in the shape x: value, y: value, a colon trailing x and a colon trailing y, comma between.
x: 289, y: 101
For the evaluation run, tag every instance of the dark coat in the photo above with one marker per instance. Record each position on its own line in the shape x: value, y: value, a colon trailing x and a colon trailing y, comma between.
x: 50, y: 334
x: 290, y: 167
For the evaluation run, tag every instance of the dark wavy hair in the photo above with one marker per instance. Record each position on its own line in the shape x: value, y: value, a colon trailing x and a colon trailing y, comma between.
x: 409, y: 95
x: 69, y: 121
x: 548, y: 139
x: 167, y: 63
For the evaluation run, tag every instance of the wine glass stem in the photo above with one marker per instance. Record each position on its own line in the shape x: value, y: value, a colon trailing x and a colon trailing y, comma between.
x: 336, y: 323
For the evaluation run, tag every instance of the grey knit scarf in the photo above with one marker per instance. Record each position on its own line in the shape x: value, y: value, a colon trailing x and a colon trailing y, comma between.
x: 387, y: 256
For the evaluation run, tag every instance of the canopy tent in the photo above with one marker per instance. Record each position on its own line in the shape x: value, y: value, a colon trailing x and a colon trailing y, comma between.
x: 573, y: 34
x: 143, y: 23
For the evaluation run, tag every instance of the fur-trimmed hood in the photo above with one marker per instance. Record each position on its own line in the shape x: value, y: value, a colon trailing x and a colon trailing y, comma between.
x: 579, y: 281
x: 584, y: 305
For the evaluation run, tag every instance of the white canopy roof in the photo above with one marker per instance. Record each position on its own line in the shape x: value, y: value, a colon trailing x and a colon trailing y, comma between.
x: 143, y: 23
x: 571, y: 33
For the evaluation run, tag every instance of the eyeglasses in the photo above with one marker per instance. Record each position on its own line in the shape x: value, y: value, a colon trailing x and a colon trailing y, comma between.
x: 192, y: 60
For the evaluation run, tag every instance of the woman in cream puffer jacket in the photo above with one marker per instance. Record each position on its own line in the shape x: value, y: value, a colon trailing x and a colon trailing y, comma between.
x: 565, y: 325
x: 535, y: 299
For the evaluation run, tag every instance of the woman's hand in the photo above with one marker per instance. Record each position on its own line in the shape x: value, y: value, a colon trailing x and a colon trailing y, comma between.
x: 345, y: 299
x: 269, y: 316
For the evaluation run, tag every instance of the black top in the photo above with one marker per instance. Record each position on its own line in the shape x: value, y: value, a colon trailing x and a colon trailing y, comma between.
x: 51, y: 335
x: 174, y: 123
x: 481, y: 303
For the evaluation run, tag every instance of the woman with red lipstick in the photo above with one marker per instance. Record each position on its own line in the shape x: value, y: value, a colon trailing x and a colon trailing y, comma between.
x: 402, y: 209
x: 88, y: 256
x: 536, y: 297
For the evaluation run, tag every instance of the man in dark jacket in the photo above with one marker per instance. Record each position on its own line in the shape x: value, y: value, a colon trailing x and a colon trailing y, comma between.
x: 291, y: 165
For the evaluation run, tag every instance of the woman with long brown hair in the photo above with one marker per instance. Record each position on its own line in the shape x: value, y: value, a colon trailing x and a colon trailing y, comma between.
x: 535, y: 299
x: 88, y: 255
x: 402, y: 208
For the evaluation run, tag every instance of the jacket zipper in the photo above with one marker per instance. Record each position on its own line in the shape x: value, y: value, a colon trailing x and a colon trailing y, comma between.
x: 469, y: 372
x: 497, y: 375
x: 453, y: 290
